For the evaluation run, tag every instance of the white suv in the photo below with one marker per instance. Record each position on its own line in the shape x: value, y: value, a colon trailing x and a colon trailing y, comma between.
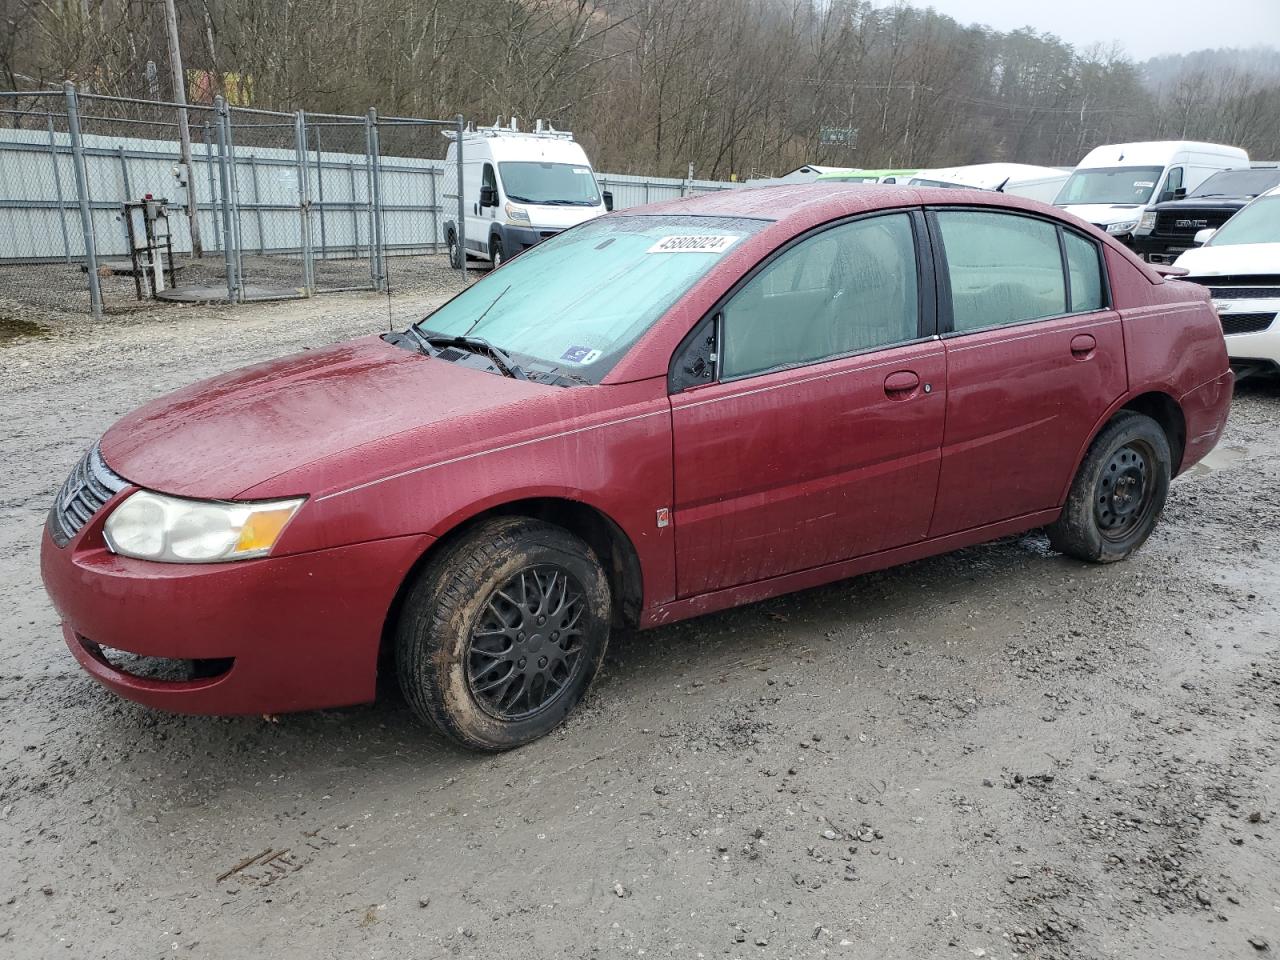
x: 1240, y: 264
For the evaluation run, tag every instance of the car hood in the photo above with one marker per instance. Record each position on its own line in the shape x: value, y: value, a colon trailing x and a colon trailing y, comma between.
x: 1228, y: 259
x: 1202, y: 203
x: 558, y: 217
x: 221, y: 437
x: 1103, y: 214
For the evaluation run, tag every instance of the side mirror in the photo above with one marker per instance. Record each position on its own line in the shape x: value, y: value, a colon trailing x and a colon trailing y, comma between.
x: 1204, y: 236
x: 607, y: 196
x: 488, y: 196
x: 1180, y: 193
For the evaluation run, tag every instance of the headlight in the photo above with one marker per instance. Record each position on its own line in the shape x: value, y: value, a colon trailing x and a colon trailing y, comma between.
x: 1147, y: 223
x: 151, y: 526
x: 1120, y: 229
x: 517, y: 214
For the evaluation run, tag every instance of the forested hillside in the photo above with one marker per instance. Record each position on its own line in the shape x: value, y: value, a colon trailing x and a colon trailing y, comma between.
x: 742, y: 87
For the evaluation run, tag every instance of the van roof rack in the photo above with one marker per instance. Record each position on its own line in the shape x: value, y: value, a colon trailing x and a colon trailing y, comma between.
x: 542, y: 130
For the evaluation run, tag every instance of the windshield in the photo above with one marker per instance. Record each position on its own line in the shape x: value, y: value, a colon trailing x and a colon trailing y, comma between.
x: 1238, y: 183
x: 1110, y: 185
x: 570, y: 184
x: 1259, y: 222
x: 572, y: 305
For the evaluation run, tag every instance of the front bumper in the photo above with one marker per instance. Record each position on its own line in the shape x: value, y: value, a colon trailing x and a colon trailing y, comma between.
x: 518, y: 239
x: 1260, y: 346
x: 1159, y: 249
x: 281, y: 634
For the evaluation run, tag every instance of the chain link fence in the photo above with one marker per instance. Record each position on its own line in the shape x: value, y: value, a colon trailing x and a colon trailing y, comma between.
x: 269, y: 206
x: 261, y: 205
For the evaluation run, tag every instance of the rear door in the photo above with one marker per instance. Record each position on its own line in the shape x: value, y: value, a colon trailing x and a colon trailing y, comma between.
x: 1035, y: 357
x: 818, y: 437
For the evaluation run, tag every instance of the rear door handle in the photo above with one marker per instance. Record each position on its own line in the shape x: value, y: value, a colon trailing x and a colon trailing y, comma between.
x: 1083, y: 345
x: 901, y: 384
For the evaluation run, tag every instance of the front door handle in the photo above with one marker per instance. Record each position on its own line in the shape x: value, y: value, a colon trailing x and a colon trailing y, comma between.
x: 901, y: 384
x: 1083, y: 345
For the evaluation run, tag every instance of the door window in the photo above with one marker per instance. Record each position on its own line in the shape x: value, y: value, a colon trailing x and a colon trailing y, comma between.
x: 1086, y: 273
x: 847, y: 289
x: 1173, y: 184
x: 489, y: 179
x: 1003, y: 268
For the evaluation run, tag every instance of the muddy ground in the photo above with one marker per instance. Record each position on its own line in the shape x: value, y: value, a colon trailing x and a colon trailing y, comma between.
x: 1000, y: 752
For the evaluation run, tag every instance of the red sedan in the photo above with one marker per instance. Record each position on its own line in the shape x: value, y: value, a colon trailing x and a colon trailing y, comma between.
x: 663, y: 412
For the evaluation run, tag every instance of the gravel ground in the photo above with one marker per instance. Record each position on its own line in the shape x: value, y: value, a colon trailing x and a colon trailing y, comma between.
x: 60, y: 290
x: 999, y: 752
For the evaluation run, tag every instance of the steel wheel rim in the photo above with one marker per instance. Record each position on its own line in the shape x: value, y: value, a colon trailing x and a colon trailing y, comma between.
x: 1125, y: 491
x: 525, y: 649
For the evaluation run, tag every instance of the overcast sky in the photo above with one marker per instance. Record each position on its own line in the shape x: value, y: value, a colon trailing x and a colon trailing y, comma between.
x: 1146, y: 28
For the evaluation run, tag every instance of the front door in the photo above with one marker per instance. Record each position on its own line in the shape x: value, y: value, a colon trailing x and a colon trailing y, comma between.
x: 818, y: 439
x: 1034, y: 359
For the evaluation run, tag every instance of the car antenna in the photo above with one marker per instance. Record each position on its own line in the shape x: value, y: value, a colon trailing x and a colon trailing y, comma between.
x: 386, y: 280
x: 1003, y: 183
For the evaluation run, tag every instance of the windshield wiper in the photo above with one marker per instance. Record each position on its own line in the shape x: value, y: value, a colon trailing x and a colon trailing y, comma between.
x: 479, y: 345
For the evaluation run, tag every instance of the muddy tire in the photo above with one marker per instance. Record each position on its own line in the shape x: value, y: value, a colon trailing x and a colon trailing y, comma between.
x: 1118, y: 493
x: 501, y: 635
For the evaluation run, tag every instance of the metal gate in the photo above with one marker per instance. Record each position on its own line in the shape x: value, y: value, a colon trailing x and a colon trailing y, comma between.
x: 281, y: 205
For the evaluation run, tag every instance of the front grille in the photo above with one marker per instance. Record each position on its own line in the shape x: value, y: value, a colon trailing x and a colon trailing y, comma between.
x: 91, y: 484
x: 1185, y: 224
x: 1246, y: 322
x: 1245, y: 293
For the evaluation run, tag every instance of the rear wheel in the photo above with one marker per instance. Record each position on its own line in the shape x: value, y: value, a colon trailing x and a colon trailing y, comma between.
x: 500, y: 637
x: 1119, y: 492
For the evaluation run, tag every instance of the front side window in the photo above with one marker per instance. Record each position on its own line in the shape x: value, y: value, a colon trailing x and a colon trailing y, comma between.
x: 564, y: 184
x: 1003, y: 268
x: 487, y: 177
x: 576, y: 302
x: 1259, y: 222
x: 847, y: 289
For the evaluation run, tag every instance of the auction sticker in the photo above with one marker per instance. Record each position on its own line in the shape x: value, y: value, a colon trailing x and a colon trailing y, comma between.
x: 692, y: 244
x: 581, y: 355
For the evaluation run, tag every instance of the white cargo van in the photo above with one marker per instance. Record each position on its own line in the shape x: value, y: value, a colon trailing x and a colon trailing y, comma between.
x: 1016, y: 179
x: 1114, y: 185
x: 518, y: 188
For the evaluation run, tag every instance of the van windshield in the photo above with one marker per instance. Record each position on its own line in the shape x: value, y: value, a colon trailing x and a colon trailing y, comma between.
x: 575, y: 303
x: 569, y: 184
x: 1259, y: 222
x: 1110, y: 185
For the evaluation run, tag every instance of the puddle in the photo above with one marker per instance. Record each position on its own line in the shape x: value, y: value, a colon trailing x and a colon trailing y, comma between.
x: 1219, y: 458
x: 12, y: 330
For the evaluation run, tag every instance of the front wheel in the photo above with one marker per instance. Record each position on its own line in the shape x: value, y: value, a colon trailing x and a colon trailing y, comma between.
x: 1118, y: 493
x: 501, y: 635
x: 495, y: 251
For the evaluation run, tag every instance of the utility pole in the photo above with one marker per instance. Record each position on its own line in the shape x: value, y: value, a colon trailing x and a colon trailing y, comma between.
x: 184, y: 132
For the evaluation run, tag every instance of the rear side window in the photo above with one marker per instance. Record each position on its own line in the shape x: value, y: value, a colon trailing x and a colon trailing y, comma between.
x: 1086, y: 273
x: 1003, y: 268
x: 844, y: 290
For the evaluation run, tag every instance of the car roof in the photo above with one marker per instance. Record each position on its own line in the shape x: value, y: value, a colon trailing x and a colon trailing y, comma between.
x: 802, y: 205
x: 886, y: 172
